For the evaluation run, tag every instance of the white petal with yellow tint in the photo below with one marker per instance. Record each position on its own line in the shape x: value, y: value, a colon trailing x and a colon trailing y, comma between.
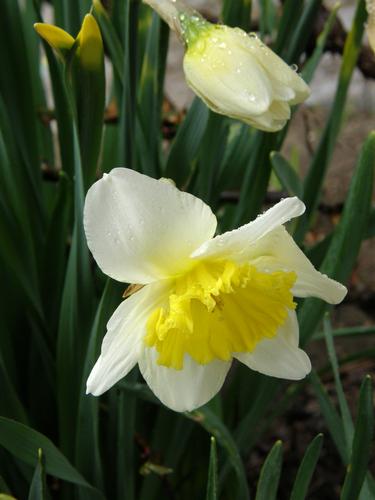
x: 240, y: 241
x: 125, y: 333
x: 186, y: 389
x: 140, y: 230
x: 280, y: 356
x: 273, y: 119
x: 225, y: 97
x: 278, y: 251
x: 230, y: 82
x: 278, y: 70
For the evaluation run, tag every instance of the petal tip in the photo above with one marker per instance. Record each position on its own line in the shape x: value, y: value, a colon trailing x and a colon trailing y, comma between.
x: 340, y: 294
x: 305, y: 361
x: 299, y: 204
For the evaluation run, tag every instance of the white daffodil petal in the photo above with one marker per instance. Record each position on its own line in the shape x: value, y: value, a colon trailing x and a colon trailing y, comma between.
x: 278, y: 251
x: 140, y: 229
x: 238, y: 242
x: 280, y: 356
x: 278, y: 70
x: 186, y: 389
x: 218, y: 83
x: 122, y: 343
x: 273, y: 119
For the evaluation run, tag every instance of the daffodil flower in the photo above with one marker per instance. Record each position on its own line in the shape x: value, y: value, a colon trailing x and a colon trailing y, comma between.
x: 202, y: 301
x: 234, y: 73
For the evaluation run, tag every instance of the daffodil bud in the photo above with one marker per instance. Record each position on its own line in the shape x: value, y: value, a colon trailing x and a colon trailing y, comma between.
x: 87, y: 46
x: 56, y: 37
x: 90, y: 44
x: 237, y: 75
x: 83, y: 57
x: 234, y: 73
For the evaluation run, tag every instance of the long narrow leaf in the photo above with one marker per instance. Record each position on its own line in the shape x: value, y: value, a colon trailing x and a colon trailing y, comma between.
x: 24, y: 443
x: 347, y: 237
x: 186, y: 144
x: 212, y: 485
x: 330, y: 415
x: 88, y: 455
x: 344, y: 408
x: 311, y: 65
x: 75, y: 318
x: 286, y: 175
x: 237, y: 13
x: 270, y: 474
x: 322, y: 157
x: 38, y: 484
x: 362, y: 443
x: 306, y: 469
x: 216, y: 428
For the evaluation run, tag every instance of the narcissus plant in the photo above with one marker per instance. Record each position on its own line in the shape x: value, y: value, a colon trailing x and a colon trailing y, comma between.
x: 200, y: 301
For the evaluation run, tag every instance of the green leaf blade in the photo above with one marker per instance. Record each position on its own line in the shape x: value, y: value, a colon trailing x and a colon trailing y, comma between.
x: 212, y: 482
x: 306, y: 469
x: 38, y: 485
x: 362, y: 443
x: 270, y: 474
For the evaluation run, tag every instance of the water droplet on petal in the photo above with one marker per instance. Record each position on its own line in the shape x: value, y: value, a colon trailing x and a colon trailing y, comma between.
x: 249, y: 95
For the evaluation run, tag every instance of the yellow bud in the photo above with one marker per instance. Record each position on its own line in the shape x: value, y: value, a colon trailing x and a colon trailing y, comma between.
x: 90, y: 43
x: 56, y: 37
x: 236, y: 75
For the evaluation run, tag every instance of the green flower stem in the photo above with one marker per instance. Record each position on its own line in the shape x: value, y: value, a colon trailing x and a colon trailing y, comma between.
x: 170, y: 11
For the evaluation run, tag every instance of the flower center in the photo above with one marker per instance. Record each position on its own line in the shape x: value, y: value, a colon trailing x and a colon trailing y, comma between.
x: 219, y: 308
